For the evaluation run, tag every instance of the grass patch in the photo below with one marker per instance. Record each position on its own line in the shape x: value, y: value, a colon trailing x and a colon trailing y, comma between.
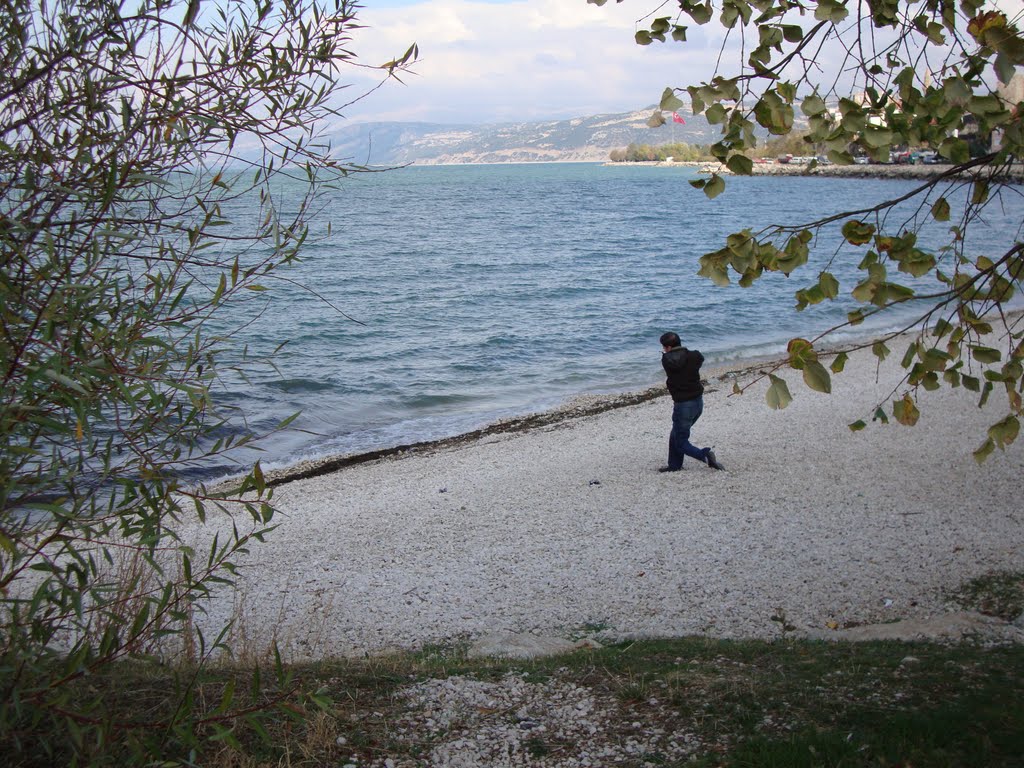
x: 686, y: 702
x: 997, y: 593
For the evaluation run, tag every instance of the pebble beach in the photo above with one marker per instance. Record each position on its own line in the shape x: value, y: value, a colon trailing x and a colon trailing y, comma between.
x: 565, y: 529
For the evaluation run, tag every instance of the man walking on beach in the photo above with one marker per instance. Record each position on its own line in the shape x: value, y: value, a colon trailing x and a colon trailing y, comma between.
x: 682, y: 366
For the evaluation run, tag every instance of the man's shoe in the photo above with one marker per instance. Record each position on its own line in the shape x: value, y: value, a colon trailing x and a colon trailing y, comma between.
x: 713, y: 461
x: 668, y: 469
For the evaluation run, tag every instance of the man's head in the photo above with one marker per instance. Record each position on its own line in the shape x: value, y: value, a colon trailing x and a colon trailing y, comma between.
x: 670, y: 339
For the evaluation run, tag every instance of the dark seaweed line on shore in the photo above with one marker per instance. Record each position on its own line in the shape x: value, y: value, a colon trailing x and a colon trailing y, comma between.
x: 517, y: 424
x: 560, y: 415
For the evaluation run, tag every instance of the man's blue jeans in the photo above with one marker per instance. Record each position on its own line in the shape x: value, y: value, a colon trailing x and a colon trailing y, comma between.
x: 684, y: 415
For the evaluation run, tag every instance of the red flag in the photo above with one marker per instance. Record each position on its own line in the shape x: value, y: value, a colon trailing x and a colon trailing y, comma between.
x: 677, y: 118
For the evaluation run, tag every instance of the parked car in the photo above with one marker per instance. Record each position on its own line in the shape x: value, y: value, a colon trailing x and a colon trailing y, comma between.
x: 860, y: 159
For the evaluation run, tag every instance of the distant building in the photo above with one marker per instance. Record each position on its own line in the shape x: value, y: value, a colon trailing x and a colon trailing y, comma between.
x: 1012, y: 95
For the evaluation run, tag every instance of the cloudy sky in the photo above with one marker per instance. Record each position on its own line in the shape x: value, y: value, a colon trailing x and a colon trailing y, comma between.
x: 509, y: 60
x: 485, y: 61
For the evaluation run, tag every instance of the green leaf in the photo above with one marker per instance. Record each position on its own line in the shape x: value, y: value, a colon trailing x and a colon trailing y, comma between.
x: 670, y: 102
x: 858, y: 232
x: 817, y: 378
x: 741, y: 165
x: 773, y: 113
x: 986, y: 354
x: 829, y: 285
x: 876, y: 137
x: 1004, y: 432
x: 979, y: 192
x: 955, y: 150
x: 712, y: 267
x: 813, y: 105
x: 910, y: 354
x: 940, y: 210
x: 642, y: 37
x: 830, y: 10
x: 801, y: 352
x: 905, y: 411
x: 700, y: 12
x: 792, y: 33
x: 716, y: 114
x: 1005, y: 68
x: 777, y: 396
x: 714, y: 187
x: 839, y: 363
x: 66, y: 381
x: 857, y: 426
x: 880, y: 350
x: 984, y: 451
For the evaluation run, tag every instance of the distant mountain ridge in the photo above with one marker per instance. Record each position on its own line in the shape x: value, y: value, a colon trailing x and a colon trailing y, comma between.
x: 578, y: 139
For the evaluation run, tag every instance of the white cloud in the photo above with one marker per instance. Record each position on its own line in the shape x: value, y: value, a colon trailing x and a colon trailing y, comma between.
x: 506, y: 60
x: 516, y: 60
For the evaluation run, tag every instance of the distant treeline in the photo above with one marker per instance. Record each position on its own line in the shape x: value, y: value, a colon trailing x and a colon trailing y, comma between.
x: 682, y: 152
x: 638, y: 153
x: 794, y: 144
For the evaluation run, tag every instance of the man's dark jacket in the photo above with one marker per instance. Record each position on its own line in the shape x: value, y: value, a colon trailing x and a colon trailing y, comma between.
x: 683, y: 368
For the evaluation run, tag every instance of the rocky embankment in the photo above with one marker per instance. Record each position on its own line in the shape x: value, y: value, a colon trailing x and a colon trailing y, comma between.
x: 1013, y: 174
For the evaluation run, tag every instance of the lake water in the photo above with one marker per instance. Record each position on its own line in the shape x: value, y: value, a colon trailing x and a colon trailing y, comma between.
x: 483, y: 292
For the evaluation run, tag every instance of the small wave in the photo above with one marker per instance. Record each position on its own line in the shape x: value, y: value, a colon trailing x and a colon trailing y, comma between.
x: 429, y: 402
x: 299, y: 385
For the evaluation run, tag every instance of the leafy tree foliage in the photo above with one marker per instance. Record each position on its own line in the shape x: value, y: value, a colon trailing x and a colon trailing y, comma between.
x: 127, y: 134
x: 680, y: 151
x: 865, y: 78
